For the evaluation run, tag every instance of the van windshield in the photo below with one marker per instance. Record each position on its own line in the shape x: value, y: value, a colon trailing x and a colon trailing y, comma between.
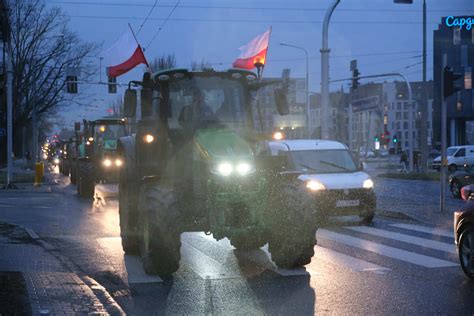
x: 323, y: 161
x: 451, y: 151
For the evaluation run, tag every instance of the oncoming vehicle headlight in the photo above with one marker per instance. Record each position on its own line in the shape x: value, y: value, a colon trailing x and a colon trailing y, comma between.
x: 224, y: 169
x: 56, y: 161
x: 90, y: 139
x: 118, y: 162
x: 245, y: 168
x: 148, y: 138
x: 107, y: 162
x: 314, y: 185
x: 368, y: 184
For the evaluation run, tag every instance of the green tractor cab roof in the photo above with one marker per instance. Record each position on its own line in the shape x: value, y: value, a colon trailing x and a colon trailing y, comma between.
x: 179, y: 73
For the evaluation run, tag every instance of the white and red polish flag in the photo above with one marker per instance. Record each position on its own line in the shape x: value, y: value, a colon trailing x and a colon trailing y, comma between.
x: 255, y: 51
x: 124, y: 55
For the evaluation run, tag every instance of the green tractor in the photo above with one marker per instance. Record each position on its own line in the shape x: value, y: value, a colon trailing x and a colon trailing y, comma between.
x: 97, y: 160
x: 197, y: 163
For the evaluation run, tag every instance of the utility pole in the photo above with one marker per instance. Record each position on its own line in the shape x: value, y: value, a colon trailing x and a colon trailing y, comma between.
x: 9, y: 58
x: 444, y: 162
x: 326, y: 120
x: 424, y: 104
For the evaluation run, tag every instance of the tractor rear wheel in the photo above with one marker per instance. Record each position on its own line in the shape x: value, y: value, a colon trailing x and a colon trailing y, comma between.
x: 158, y: 225
x: 73, y: 173
x: 293, y: 233
x: 86, y: 179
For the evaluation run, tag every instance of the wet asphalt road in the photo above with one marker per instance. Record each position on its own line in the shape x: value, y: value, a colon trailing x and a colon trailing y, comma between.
x: 389, y: 268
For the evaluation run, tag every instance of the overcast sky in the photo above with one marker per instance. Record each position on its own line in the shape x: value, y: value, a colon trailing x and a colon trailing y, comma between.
x: 381, y: 35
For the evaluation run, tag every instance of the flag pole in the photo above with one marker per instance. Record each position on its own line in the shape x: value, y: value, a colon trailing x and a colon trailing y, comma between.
x: 266, y: 53
x: 136, y: 40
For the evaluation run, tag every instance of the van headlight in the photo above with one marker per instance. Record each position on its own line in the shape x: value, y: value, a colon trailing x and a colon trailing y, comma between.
x: 368, y: 184
x: 314, y: 185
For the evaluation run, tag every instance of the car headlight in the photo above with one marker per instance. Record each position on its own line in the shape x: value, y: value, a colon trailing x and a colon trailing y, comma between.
x: 245, y: 168
x: 107, y: 162
x: 368, y: 184
x: 314, y: 185
x: 118, y: 162
x: 224, y: 169
x: 56, y: 161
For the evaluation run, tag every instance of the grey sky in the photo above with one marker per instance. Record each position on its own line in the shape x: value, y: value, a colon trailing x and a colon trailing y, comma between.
x: 381, y: 35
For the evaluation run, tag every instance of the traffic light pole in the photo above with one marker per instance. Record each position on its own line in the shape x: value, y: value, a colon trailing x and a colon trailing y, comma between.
x: 444, y: 162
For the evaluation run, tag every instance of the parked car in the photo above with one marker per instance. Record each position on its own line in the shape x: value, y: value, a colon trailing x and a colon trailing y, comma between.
x: 383, y: 153
x: 368, y: 154
x: 337, y: 184
x: 459, y: 179
x: 464, y: 232
x: 457, y: 156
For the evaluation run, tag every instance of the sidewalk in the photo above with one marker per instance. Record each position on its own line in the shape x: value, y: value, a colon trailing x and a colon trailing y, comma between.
x: 42, y: 282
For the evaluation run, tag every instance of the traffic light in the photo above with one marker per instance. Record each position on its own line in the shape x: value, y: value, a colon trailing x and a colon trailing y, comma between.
x: 451, y: 84
x: 376, y: 138
x: 71, y: 84
x: 355, y: 78
x: 395, y: 139
x: 112, y: 84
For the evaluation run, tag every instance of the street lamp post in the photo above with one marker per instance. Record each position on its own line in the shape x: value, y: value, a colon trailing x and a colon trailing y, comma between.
x: 308, y: 119
x: 325, y: 115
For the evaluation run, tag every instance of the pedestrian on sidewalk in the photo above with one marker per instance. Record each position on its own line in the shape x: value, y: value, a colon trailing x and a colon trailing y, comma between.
x: 404, y: 161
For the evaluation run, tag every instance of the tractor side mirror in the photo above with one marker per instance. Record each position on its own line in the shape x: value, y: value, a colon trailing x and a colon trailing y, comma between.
x: 130, y: 103
x: 281, y: 102
x: 77, y: 126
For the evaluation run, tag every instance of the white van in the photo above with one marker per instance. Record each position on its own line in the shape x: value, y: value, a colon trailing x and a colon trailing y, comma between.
x: 458, y: 156
x: 330, y: 173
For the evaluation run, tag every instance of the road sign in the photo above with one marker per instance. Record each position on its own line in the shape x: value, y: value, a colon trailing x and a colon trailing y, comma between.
x: 366, y: 104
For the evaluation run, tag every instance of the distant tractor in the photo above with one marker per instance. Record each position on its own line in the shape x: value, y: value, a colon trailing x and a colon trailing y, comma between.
x: 97, y: 160
x: 198, y: 163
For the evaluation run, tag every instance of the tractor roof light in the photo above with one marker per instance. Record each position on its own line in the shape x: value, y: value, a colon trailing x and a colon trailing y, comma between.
x: 107, y: 162
x: 148, y: 138
x: 278, y: 136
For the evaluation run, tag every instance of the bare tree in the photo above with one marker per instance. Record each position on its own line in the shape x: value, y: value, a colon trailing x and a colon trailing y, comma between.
x: 202, y: 65
x: 44, y: 50
x: 163, y: 62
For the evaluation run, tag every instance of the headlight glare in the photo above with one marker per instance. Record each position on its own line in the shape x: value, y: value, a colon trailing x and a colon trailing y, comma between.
x: 107, y: 162
x: 314, y: 185
x: 368, y: 184
x: 118, y: 162
x: 244, y: 168
x: 225, y: 169
x: 148, y: 138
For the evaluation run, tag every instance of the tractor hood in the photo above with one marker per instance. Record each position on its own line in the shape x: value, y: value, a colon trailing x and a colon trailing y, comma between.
x: 215, y: 144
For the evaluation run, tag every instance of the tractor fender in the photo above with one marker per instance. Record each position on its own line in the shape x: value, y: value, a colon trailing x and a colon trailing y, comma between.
x: 126, y: 150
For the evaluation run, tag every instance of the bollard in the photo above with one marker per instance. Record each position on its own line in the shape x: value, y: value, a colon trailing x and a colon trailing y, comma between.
x: 39, y: 173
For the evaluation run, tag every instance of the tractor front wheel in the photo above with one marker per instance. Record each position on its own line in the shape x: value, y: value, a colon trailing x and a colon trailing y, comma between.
x: 86, y: 179
x: 158, y: 225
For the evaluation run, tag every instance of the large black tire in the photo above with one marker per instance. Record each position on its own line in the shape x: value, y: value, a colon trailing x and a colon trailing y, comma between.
x: 73, y: 173
x: 466, y: 252
x: 86, y: 179
x: 293, y: 235
x: 158, y: 222
x: 248, y: 242
x: 456, y: 189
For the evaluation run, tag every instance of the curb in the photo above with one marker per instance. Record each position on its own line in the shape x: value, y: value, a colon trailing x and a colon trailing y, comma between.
x: 112, y: 307
x: 396, y: 215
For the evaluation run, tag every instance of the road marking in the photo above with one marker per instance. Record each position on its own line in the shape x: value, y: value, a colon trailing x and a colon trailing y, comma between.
x: 391, y: 252
x: 346, y: 261
x: 130, y: 266
x: 205, y: 266
x: 423, y: 242
x: 424, y: 229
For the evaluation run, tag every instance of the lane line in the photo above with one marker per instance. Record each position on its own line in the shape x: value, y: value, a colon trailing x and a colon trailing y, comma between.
x: 346, y: 261
x: 387, y: 251
x: 423, y: 242
x: 425, y: 229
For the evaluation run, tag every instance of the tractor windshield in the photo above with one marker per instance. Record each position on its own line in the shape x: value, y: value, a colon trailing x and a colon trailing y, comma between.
x: 214, y: 100
x: 107, y: 135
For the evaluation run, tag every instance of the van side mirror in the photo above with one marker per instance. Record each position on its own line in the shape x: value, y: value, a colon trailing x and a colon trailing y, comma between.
x: 281, y: 102
x: 77, y: 126
x: 130, y: 103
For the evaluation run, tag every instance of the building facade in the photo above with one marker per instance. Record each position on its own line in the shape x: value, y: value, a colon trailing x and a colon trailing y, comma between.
x: 454, y: 48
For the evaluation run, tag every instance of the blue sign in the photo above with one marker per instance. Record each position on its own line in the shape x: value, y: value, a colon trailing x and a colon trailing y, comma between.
x: 460, y: 22
x: 3, y: 132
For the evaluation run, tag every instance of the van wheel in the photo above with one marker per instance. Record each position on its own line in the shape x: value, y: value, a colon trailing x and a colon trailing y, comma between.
x: 452, y: 168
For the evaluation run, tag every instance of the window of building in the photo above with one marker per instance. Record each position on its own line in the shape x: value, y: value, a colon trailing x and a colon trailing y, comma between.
x: 464, y: 61
x: 399, y: 105
x: 407, y: 145
x: 456, y: 36
x: 398, y: 125
x: 459, y: 106
x: 398, y: 116
x: 467, y: 78
x: 405, y: 125
x: 406, y: 135
x: 405, y: 115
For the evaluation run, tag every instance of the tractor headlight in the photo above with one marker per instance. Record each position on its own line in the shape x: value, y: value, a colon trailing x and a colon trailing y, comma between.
x: 314, y: 185
x: 56, y: 161
x: 224, y: 169
x: 148, y: 138
x: 118, y: 162
x: 368, y: 184
x: 107, y: 162
x: 245, y: 168
x: 91, y: 139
